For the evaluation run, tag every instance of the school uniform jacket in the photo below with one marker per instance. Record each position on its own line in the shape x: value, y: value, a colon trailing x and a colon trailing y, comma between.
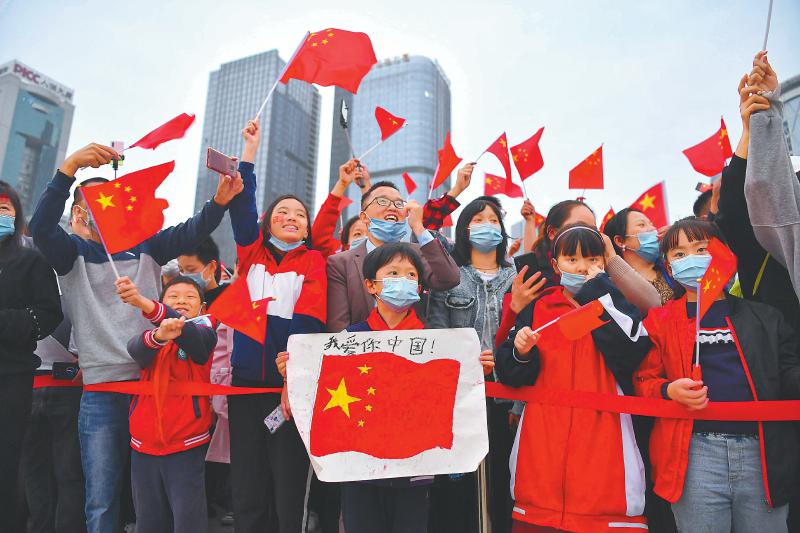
x: 768, y: 349
x: 578, y: 469
x: 163, y: 424
x: 296, y: 288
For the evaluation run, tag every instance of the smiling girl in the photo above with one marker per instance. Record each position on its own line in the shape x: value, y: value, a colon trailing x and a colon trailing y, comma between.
x: 271, y: 471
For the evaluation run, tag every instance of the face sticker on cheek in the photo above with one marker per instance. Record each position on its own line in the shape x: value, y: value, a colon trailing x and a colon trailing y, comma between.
x: 277, y: 219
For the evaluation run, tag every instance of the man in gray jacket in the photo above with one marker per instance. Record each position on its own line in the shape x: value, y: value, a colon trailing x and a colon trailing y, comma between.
x: 772, y: 188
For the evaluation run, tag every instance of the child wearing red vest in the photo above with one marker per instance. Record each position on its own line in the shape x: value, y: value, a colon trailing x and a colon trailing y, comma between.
x: 168, y: 432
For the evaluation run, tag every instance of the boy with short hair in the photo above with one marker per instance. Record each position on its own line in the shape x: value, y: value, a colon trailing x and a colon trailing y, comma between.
x: 168, y: 432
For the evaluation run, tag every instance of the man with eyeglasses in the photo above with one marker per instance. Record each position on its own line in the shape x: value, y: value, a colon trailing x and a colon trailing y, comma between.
x: 388, y: 218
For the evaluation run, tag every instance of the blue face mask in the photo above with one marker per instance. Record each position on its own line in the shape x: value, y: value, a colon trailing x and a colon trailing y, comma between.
x: 485, y: 237
x: 197, y: 277
x: 6, y: 227
x: 399, y: 293
x: 386, y: 231
x: 648, y: 245
x: 355, y: 243
x: 572, y: 282
x: 284, y: 246
x: 687, y: 270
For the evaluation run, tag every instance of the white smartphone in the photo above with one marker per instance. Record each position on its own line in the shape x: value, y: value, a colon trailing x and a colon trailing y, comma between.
x: 275, y: 419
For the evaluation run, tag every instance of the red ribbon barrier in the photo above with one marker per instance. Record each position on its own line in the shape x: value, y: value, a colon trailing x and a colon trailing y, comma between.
x: 175, y: 388
x: 764, y: 411
x: 774, y: 411
x: 47, y: 380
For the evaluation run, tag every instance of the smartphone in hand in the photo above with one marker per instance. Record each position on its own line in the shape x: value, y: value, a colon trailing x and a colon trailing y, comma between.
x: 275, y: 419
x: 221, y: 163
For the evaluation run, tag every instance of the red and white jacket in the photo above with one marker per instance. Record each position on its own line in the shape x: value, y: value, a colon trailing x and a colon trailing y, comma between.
x: 578, y: 469
x: 160, y: 423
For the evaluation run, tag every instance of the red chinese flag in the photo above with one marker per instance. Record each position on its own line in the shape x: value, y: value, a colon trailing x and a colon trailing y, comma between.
x: 708, y: 157
x: 344, y: 202
x: 721, y: 269
x: 383, y: 405
x: 513, y: 190
x: 527, y: 156
x: 126, y: 210
x: 500, y: 149
x: 653, y: 203
x: 538, y: 219
x: 448, y: 161
x: 581, y: 321
x: 411, y: 186
x: 234, y: 308
x: 388, y: 123
x: 493, y: 185
x: 589, y: 172
x: 447, y: 222
x: 332, y: 57
x: 606, y: 218
x: 174, y: 129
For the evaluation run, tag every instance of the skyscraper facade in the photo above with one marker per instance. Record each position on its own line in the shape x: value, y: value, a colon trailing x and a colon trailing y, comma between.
x: 35, y: 121
x: 287, y: 158
x: 415, y: 88
x: 790, y: 95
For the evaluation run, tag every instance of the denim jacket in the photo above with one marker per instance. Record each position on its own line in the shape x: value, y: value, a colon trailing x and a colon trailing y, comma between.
x: 474, y: 303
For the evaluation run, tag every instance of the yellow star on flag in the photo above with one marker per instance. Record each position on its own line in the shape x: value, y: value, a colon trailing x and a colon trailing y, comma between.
x: 371, y: 391
x: 105, y: 201
x: 324, y: 41
x: 361, y: 423
x: 648, y: 202
x: 129, y: 208
x: 127, y: 189
x: 132, y: 199
x: 368, y: 408
x: 117, y: 185
x: 365, y: 369
x: 340, y: 398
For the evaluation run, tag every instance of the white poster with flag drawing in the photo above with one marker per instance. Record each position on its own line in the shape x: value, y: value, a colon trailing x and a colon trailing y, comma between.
x: 386, y: 404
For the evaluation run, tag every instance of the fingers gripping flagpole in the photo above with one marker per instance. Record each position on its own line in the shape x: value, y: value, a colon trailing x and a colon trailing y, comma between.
x: 769, y: 19
x: 280, y: 75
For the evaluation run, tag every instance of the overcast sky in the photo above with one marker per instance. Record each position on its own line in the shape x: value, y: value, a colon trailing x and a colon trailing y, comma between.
x: 647, y: 79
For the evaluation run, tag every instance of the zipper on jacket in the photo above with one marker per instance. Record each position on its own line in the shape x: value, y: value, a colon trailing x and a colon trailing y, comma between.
x: 569, y: 434
x: 196, y: 407
x: 755, y: 398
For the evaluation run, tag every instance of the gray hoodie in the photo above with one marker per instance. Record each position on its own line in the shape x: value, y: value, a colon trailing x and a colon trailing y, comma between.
x: 772, y: 189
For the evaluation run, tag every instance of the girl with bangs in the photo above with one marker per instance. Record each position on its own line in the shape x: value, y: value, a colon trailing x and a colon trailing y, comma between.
x: 558, y: 482
x: 719, y: 475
